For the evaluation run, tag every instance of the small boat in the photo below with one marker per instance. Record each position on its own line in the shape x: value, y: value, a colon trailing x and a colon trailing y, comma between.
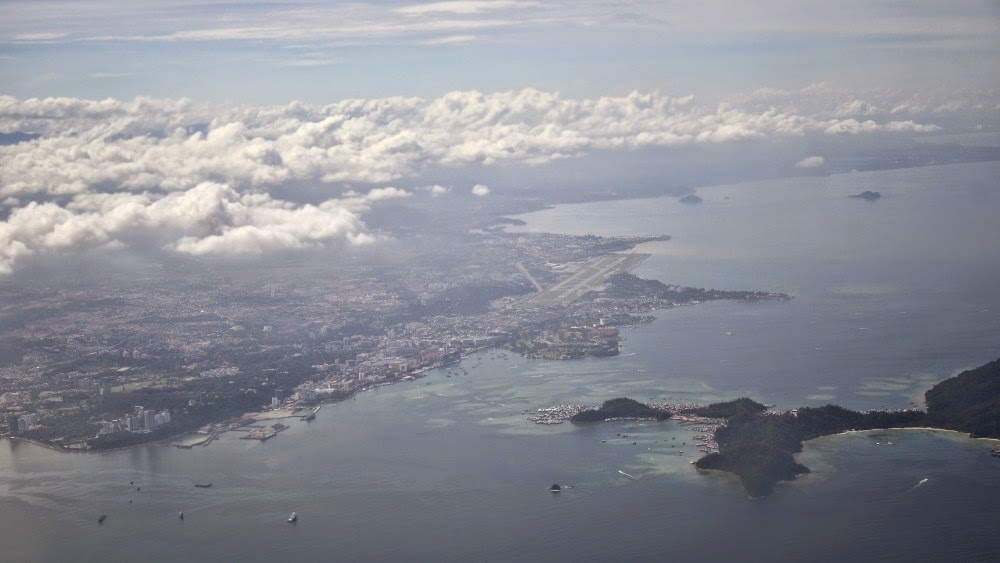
x: 293, y: 518
x: 180, y: 515
x: 100, y: 519
x: 203, y: 485
x: 555, y: 488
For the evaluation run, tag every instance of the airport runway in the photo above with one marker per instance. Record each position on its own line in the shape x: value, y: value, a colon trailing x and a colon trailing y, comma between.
x: 591, y: 277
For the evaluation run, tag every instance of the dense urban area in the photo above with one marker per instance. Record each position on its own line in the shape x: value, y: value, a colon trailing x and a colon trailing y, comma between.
x: 150, y: 350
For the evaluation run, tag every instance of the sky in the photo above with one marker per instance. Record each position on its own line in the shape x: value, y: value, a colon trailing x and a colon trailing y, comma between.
x: 191, y: 119
x: 274, y: 52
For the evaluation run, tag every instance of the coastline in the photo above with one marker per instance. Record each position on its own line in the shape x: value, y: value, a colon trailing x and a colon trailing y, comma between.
x: 966, y: 435
x: 62, y: 449
x: 213, y: 429
x: 287, y: 411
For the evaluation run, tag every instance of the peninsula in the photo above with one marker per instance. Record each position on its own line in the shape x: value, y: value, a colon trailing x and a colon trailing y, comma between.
x: 759, y: 446
x: 120, y: 358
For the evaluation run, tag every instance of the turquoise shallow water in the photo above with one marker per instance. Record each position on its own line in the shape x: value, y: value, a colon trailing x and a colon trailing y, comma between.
x: 891, y: 297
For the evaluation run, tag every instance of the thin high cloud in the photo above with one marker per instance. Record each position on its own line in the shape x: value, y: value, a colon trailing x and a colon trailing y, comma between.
x: 450, y: 40
x: 202, y: 175
x: 462, y: 7
x: 174, y: 20
x: 272, y: 51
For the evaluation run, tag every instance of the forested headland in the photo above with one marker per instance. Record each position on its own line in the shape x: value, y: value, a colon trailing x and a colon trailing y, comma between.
x: 759, y: 446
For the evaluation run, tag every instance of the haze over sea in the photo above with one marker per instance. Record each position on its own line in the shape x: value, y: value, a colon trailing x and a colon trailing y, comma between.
x: 891, y: 297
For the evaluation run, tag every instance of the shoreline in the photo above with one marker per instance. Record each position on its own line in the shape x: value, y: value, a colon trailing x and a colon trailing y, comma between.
x: 287, y: 411
x: 966, y: 435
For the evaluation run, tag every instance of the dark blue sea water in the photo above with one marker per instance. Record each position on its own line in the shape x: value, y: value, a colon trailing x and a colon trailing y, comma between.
x: 890, y: 297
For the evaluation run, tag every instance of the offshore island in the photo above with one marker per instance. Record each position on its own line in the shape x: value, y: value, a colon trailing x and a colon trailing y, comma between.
x: 758, y: 445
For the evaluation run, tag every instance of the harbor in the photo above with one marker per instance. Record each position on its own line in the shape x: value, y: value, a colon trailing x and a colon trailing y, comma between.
x: 704, y: 428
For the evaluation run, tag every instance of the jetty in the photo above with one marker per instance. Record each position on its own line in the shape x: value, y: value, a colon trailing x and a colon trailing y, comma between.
x: 264, y: 433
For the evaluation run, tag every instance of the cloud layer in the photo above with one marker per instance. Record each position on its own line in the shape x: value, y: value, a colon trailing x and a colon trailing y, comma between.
x: 168, y: 145
x: 99, y: 170
x: 209, y: 218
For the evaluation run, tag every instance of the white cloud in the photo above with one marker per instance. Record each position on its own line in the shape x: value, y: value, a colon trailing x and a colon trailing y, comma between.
x: 201, y: 173
x: 168, y: 145
x: 450, y: 40
x: 311, y: 62
x: 824, y: 100
x: 379, y: 194
x: 357, y: 202
x: 811, y: 162
x: 40, y: 37
x: 480, y: 190
x: 462, y: 7
x: 210, y: 218
x: 436, y: 190
x: 110, y: 74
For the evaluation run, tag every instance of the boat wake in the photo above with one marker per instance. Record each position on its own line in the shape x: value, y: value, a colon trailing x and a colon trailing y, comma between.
x: 627, y: 475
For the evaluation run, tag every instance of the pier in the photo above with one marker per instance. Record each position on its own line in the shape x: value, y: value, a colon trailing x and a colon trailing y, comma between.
x: 264, y: 433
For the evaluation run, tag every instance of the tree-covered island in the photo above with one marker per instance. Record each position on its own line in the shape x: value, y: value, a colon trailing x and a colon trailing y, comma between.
x: 620, y: 409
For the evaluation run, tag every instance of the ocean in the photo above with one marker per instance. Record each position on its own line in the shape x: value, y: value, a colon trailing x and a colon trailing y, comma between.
x: 890, y: 297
